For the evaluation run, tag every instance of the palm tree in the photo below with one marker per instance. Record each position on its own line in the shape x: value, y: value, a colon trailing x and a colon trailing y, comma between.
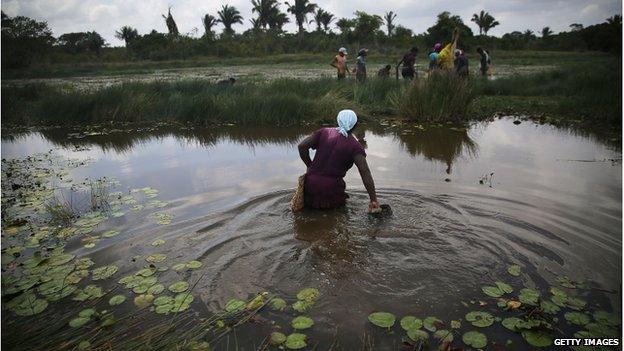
x: 546, y: 32
x: 209, y: 21
x: 327, y: 19
x: 484, y: 21
x: 171, y: 25
x: 318, y: 18
x: 301, y: 9
x: 265, y: 9
x: 229, y: 15
x: 389, y: 18
x: 345, y: 25
x: 615, y: 20
x: 277, y: 19
x: 127, y: 34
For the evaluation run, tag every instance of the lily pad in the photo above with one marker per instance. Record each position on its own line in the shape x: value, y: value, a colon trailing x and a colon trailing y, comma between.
x: 193, y: 264
x: 235, y: 305
x: 577, y: 318
x: 156, y: 289
x: 417, y: 334
x: 156, y: 258
x: 163, y: 300
x: 512, y: 323
x: 308, y: 294
x: 116, y: 300
x: 456, y: 324
x: 431, y: 323
x: 145, y: 272
x: 110, y: 233
x: 179, y: 287
x: 277, y: 338
x: 537, y: 338
x: 529, y: 296
x: 550, y: 307
x: 295, y: 341
x: 143, y: 301
x: 492, y: 291
x: 606, y: 318
x: 90, y: 292
x: 474, y: 339
x: 443, y: 335
x: 411, y: 322
x: 302, y: 322
x: 277, y: 304
x: 178, y: 266
x: 576, y: 303
x: 79, y: 322
x: 382, y: 319
x: 103, y: 272
x: 514, y: 270
x: 30, y: 305
x: 87, y: 313
x: 158, y: 242
x: 256, y: 302
x: 480, y: 319
x: 302, y: 305
x: 504, y: 287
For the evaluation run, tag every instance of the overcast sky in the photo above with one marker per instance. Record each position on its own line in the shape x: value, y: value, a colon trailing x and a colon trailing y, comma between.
x: 105, y: 17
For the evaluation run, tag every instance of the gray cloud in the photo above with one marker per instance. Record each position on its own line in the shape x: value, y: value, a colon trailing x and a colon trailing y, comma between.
x: 105, y: 16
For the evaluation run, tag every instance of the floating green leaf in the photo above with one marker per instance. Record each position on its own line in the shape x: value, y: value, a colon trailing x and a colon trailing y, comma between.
x: 158, y: 242
x: 302, y: 305
x: 504, y: 287
x: 193, y: 264
x: 302, y: 322
x: 116, y: 300
x: 103, y: 272
x: 90, y: 292
x: 179, y: 287
x: 145, y: 272
x: 430, y: 323
x: 29, y: 305
x: 443, y: 335
x: 156, y: 258
x: 163, y: 300
x: 277, y: 304
x: 79, y: 322
x: 549, y: 307
x: 492, y: 291
x: 295, y: 341
x: 87, y: 312
x: 110, y: 233
x: 514, y: 270
x: 277, y: 338
x: 537, y: 338
x: 235, y: 305
x: 256, y: 302
x: 606, y: 318
x: 529, y: 296
x: 576, y: 303
x: 577, y: 318
x: 382, y: 319
x: 156, y: 289
x: 474, y: 339
x: 480, y: 319
x: 417, y: 334
x: 84, y: 345
x: 456, y: 324
x: 411, y: 322
x: 308, y: 294
x: 178, y: 266
x: 598, y: 330
x: 143, y: 301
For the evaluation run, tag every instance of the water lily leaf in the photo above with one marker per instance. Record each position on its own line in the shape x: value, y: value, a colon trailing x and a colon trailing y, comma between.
x: 474, y: 339
x: 158, y: 242
x: 83, y: 263
x: 110, y: 233
x: 480, y: 319
x: 606, y: 318
x: 163, y: 218
x: 308, y: 294
x: 295, y: 341
x: 178, y: 267
x: 417, y: 334
x: 576, y: 303
x: 163, y: 300
x: 277, y: 338
x: 84, y: 345
x: 431, y: 323
x: 492, y: 291
x: 598, y: 330
x: 277, y: 304
x: 156, y: 289
x: 143, y: 301
x: 557, y: 292
x: 382, y: 319
x: 235, y: 305
x: 145, y: 272
x: 108, y: 321
x: 302, y: 322
x: 103, y: 272
x: 116, y: 300
x: 90, y: 292
x: 443, y: 335
x: 504, y: 287
x: 179, y: 287
x: 29, y: 305
x: 87, y: 313
x: 117, y: 214
x: 156, y: 258
x: 537, y: 338
x: 182, y: 302
x: 60, y: 259
x: 512, y: 323
x: 79, y: 322
x: 559, y: 300
x: 577, y: 318
x: 566, y: 282
x: 529, y: 296
x: 76, y: 276
x: 549, y: 307
x: 302, y: 305
x: 513, y: 304
x: 411, y: 322
x: 456, y: 324
x: 256, y: 302
x: 193, y: 264
x: 514, y: 270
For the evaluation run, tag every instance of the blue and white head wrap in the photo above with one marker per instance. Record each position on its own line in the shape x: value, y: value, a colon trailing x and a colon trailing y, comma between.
x: 346, y: 120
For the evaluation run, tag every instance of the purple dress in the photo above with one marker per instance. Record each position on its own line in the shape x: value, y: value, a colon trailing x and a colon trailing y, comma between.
x: 324, y: 186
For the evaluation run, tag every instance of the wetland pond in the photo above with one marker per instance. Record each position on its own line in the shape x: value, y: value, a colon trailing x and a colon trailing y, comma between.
x: 502, y: 236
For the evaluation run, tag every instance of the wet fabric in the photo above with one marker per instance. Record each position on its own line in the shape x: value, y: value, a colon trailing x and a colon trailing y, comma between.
x: 324, y: 184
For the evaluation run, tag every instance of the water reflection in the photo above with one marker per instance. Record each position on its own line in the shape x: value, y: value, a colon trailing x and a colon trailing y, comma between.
x: 440, y: 144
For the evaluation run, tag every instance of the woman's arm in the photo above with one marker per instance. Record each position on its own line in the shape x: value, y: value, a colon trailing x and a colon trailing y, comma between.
x: 304, y: 150
x: 367, y: 179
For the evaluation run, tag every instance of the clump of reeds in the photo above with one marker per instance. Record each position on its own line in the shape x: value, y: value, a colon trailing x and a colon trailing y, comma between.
x: 442, y: 97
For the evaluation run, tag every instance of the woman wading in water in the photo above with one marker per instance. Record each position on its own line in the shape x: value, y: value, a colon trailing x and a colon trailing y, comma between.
x: 337, y: 150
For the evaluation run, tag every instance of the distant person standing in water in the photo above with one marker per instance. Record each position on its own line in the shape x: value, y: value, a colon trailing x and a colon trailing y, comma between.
x: 337, y: 150
x: 461, y: 63
x: 360, y: 66
x: 384, y: 72
x: 484, y: 62
x: 408, y: 61
x: 340, y: 63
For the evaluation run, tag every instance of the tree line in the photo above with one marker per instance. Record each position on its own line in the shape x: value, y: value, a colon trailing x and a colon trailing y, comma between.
x: 26, y: 40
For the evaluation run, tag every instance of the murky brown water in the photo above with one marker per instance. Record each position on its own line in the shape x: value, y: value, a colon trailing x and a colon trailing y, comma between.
x: 553, y: 205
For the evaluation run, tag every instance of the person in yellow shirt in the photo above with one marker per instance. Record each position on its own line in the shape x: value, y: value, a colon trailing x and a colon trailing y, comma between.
x: 446, y: 56
x: 340, y: 63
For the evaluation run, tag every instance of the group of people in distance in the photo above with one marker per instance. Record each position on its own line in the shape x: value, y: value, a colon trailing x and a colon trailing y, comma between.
x: 447, y: 57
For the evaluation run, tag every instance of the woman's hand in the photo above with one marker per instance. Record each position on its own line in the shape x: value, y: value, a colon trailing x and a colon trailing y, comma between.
x: 373, y: 207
